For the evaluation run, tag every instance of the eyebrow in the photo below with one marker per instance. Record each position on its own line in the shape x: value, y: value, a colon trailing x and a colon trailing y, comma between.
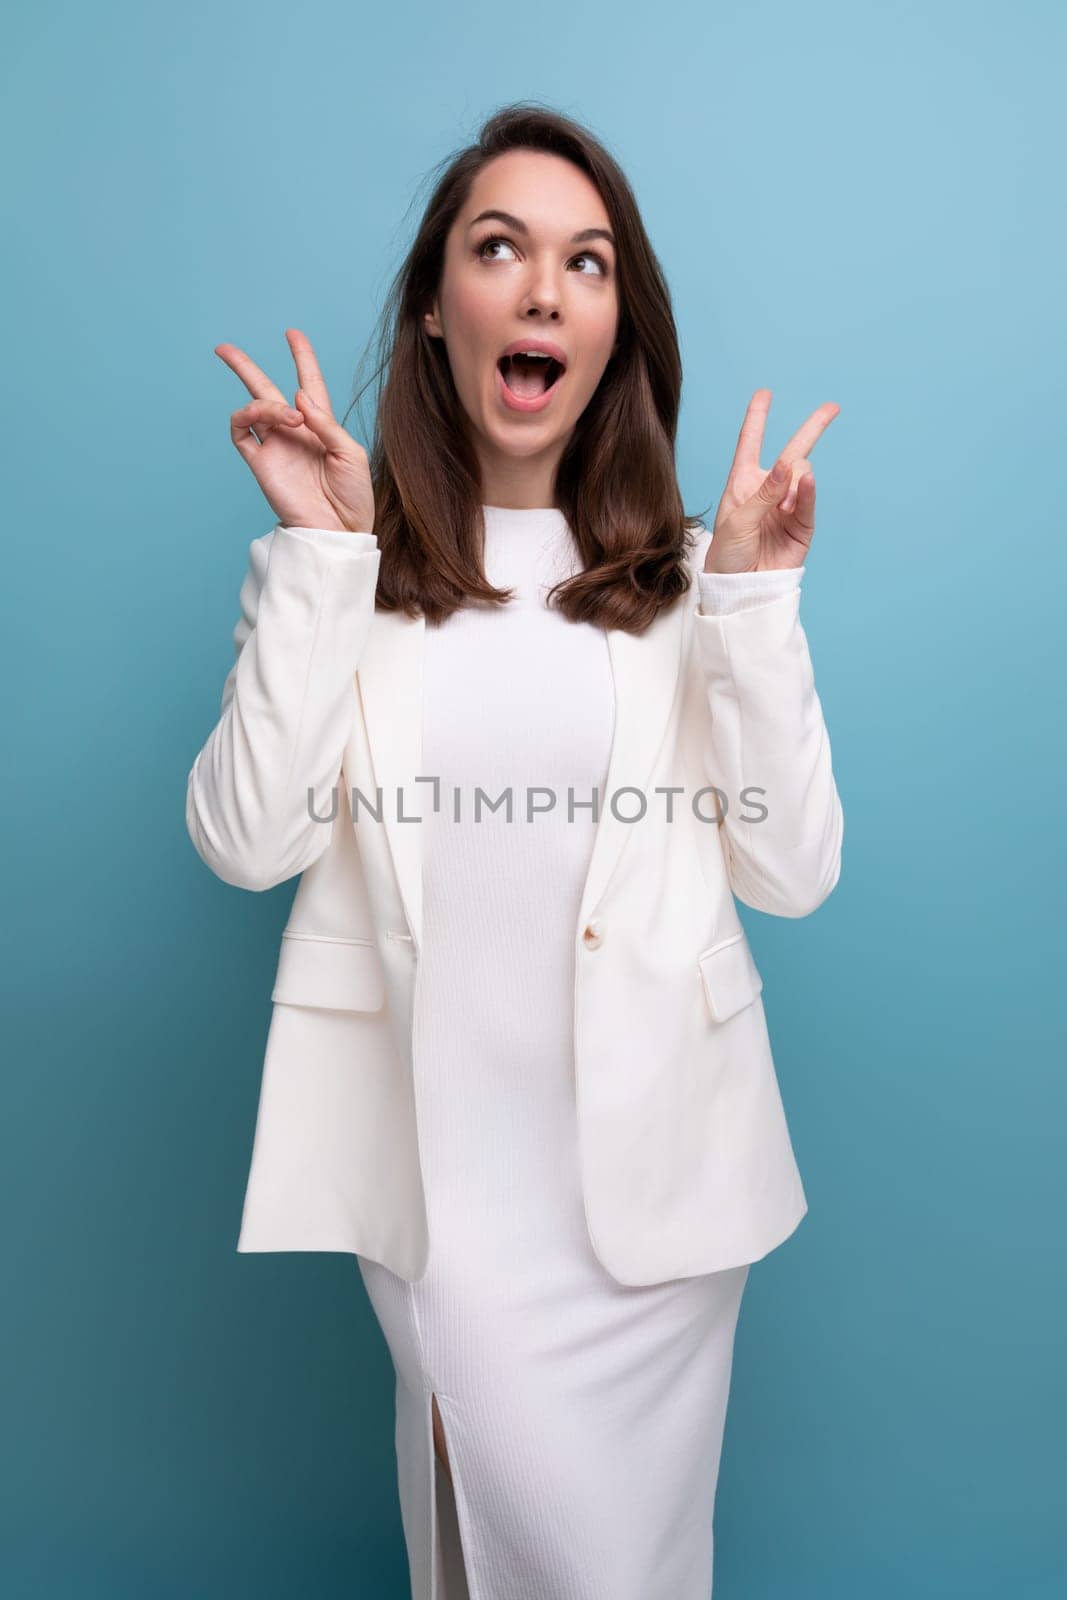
x: 520, y: 227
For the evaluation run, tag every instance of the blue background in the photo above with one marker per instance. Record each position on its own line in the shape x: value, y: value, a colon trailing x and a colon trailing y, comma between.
x: 859, y: 203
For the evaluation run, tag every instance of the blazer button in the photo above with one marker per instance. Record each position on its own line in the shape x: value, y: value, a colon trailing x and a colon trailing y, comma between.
x: 593, y: 935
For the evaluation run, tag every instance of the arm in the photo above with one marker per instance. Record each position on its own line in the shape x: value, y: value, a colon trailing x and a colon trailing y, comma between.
x: 767, y: 731
x: 288, y: 705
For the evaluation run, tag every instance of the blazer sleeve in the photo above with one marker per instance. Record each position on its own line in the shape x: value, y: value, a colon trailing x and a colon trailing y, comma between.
x: 288, y: 706
x: 769, y: 749
x: 738, y: 591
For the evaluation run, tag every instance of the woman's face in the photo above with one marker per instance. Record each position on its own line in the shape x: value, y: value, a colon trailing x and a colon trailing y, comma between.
x: 541, y: 269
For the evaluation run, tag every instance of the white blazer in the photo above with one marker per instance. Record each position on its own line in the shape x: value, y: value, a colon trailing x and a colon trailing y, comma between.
x: 686, y: 1161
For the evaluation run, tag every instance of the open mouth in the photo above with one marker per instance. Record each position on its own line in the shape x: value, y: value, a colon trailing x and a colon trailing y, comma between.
x: 529, y: 376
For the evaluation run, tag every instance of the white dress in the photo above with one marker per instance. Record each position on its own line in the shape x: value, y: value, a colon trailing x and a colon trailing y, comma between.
x: 583, y: 1418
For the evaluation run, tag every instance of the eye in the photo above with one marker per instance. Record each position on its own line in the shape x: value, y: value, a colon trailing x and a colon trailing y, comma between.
x: 496, y: 238
x: 591, y: 255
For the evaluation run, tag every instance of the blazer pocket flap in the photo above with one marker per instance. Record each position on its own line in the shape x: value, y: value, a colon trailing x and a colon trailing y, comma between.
x: 731, y: 978
x: 341, y: 974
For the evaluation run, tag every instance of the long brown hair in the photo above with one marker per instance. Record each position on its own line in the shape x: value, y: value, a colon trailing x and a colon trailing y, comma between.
x: 616, y: 482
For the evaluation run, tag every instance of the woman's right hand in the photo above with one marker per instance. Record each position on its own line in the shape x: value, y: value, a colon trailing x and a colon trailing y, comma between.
x: 313, y: 473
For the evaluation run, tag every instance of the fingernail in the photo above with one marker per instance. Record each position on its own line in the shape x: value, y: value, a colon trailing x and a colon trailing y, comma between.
x: 779, y: 473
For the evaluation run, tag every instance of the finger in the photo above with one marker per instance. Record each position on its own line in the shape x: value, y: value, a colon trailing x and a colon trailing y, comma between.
x: 775, y: 483
x: 800, y: 516
x: 337, y: 440
x: 261, y: 415
x: 797, y: 470
x: 750, y: 439
x: 254, y: 378
x: 803, y: 441
x: 307, y: 369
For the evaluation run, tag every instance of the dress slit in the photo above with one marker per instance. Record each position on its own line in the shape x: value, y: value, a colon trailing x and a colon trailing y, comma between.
x: 449, y: 1572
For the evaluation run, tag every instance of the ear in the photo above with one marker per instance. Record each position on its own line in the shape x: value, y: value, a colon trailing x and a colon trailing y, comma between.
x: 432, y: 323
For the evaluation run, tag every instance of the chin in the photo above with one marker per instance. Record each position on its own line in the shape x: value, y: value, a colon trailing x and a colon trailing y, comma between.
x: 523, y: 441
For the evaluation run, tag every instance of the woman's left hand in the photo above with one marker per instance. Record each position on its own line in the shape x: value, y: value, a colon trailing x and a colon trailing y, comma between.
x: 766, y: 520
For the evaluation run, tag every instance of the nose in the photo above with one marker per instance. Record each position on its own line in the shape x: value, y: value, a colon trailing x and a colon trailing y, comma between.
x: 542, y: 297
x: 538, y: 306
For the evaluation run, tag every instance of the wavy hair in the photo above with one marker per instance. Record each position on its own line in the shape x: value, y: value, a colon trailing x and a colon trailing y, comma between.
x: 616, y: 481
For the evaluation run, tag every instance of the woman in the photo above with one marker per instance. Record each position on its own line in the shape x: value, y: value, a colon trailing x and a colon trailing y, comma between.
x: 537, y: 1256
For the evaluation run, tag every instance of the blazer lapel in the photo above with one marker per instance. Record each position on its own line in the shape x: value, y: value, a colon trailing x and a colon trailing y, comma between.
x: 390, y: 682
x: 646, y: 672
x: 646, y: 675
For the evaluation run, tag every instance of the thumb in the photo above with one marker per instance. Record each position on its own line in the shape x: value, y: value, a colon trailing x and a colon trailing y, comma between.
x: 322, y: 425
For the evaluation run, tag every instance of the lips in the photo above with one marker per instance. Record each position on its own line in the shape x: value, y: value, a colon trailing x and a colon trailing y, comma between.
x: 543, y: 347
x: 530, y: 369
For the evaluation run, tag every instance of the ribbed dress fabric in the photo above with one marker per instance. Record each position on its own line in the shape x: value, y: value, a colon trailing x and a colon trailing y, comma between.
x: 583, y: 1418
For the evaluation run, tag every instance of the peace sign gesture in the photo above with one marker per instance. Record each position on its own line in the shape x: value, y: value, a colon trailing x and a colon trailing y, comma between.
x: 766, y: 520
x: 313, y: 473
